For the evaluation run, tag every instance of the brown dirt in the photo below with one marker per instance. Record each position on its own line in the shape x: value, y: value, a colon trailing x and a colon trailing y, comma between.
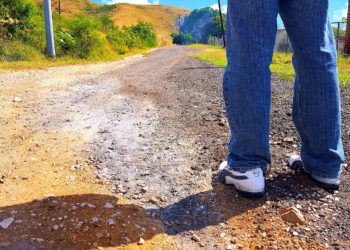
x: 146, y: 135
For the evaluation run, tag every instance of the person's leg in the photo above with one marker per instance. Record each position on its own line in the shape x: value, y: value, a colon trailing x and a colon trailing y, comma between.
x: 316, y: 107
x: 251, y: 32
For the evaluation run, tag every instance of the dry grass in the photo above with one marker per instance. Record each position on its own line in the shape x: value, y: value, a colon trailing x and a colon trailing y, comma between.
x: 71, y: 7
x: 163, y: 18
x: 281, y: 62
x: 48, y: 63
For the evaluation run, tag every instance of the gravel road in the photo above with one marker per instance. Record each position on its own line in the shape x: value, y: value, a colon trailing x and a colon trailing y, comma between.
x: 157, y: 132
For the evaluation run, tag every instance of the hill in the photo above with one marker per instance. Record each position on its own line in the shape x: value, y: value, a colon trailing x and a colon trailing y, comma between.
x: 163, y: 18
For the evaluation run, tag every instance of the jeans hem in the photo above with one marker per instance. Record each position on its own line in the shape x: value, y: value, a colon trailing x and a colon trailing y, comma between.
x: 317, y: 173
x: 248, y: 168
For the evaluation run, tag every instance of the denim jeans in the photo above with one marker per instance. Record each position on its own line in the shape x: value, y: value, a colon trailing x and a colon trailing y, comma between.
x: 251, y: 33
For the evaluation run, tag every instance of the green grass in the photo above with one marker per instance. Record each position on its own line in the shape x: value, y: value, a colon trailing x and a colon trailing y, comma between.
x: 213, y: 54
x: 281, y: 62
x: 44, y: 62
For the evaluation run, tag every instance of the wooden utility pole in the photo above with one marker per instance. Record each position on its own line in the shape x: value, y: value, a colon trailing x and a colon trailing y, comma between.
x: 50, y: 42
x: 222, y: 24
x: 347, y: 37
x: 59, y: 7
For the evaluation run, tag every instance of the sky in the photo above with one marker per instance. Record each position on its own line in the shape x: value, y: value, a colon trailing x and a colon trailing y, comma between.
x: 338, y: 8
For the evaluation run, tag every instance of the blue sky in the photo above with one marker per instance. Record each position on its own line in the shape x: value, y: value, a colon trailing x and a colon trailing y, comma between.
x: 337, y: 7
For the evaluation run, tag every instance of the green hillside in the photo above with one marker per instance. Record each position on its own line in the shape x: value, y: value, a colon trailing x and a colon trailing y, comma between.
x: 84, y: 31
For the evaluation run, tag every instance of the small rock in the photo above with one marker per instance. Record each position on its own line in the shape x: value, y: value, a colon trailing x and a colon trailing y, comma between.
x: 222, y: 235
x: 288, y: 139
x: 108, y: 205
x: 55, y: 228
x: 95, y: 219
x: 141, y: 242
x: 195, y: 238
x: 7, y: 222
x: 99, y: 235
x: 153, y: 200
x: 295, y: 233
x: 230, y: 247
x: 292, y: 215
x: 110, y: 222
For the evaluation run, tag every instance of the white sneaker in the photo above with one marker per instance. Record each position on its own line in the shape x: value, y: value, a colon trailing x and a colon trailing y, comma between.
x: 249, y: 183
x: 296, y: 163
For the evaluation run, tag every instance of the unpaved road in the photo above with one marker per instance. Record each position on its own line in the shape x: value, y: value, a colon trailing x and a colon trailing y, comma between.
x: 146, y: 135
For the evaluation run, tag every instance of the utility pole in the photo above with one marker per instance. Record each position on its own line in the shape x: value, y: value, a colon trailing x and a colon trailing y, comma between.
x: 180, y: 24
x: 222, y: 24
x: 347, y: 38
x: 50, y: 43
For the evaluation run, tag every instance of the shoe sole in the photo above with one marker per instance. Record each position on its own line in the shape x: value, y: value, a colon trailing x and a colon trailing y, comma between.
x: 318, y: 183
x: 324, y: 185
x: 249, y: 194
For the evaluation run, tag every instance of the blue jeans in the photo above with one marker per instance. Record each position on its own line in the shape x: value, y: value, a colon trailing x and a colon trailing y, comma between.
x: 251, y: 33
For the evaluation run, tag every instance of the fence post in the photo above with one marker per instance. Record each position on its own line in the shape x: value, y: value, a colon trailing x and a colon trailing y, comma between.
x: 50, y: 43
x: 338, y: 36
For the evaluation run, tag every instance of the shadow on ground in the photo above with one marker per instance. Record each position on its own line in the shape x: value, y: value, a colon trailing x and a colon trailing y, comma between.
x: 89, y: 220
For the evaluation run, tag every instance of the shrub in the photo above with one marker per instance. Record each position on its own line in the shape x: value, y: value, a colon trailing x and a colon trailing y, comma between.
x: 15, y: 17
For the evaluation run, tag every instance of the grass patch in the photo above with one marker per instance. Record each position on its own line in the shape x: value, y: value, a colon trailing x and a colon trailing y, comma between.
x: 282, y: 65
x: 213, y: 54
x: 45, y: 63
x: 281, y: 62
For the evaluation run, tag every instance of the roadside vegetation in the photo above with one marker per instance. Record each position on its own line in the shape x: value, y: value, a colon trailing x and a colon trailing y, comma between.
x: 199, y: 27
x: 281, y: 62
x: 88, y: 37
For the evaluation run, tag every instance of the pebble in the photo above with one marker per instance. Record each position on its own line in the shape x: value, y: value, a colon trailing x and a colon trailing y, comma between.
x: 295, y: 233
x: 222, y: 235
x: 7, y: 222
x: 141, y: 241
x: 230, y: 247
x: 108, y: 205
x: 55, y: 228
x: 292, y: 215
x: 195, y: 238
x: 110, y: 222
x: 153, y: 200
x: 95, y: 219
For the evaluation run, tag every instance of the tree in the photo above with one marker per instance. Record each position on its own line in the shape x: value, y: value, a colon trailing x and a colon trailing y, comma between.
x: 347, y: 38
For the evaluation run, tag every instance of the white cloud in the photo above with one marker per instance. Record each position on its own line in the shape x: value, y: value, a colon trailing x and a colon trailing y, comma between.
x: 216, y: 7
x: 130, y: 1
x: 338, y: 15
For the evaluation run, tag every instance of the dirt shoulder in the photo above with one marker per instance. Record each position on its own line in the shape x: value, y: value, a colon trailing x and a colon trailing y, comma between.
x: 48, y: 186
x: 124, y: 155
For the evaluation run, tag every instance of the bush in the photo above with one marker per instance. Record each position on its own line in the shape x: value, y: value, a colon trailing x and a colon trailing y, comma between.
x: 15, y: 17
x: 86, y: 37
x: 145, y: 33
x: 140, y: 35
x: 78, y: 38
x: 183, y: 39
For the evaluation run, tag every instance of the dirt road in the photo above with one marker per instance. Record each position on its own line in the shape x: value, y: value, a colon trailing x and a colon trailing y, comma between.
x: 123, y: 155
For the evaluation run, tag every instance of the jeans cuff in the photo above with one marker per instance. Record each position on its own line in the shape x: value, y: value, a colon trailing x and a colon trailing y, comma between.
x: 248, y: 168
x: 321, y: 174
